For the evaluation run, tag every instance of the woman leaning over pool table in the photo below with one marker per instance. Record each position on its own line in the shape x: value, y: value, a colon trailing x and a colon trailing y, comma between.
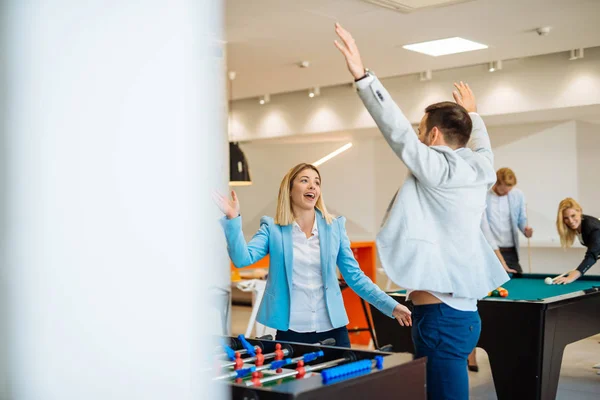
x: 571, y: 223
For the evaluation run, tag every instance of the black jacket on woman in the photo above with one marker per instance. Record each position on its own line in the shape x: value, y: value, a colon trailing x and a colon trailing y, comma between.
x: 590, y: 235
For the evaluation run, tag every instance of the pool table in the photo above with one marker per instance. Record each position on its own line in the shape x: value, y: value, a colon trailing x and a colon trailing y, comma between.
x: 524, y: 334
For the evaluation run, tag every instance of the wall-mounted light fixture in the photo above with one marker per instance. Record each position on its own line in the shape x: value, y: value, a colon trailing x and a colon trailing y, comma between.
x: 314, y: 92
x: 264, y: 99
x: 495, y: 66
x: 576, y: 54
x: 425, y: 75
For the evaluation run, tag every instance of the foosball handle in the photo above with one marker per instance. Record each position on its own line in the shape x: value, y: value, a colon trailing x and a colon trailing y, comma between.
x: 249, y: 348
x: 387, y: 348
x: 327, y: 342
x: 265, y: 337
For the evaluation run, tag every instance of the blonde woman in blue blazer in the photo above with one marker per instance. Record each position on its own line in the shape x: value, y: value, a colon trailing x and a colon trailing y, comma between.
x: 302, y: 299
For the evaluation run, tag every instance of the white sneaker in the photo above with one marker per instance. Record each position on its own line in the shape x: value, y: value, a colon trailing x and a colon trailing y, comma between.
x: 597, y: 366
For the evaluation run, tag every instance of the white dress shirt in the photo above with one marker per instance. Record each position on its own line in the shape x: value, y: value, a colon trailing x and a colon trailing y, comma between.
x: 308, y: 311
x: 499, y: 220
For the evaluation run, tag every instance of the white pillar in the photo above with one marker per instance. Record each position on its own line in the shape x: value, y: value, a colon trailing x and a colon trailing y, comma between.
x: 114, y: 136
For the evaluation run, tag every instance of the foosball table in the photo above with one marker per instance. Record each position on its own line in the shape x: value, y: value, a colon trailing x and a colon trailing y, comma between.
x: 257, y: 369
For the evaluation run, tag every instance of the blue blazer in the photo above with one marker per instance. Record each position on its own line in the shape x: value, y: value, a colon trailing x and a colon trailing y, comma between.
x: 276, y: 240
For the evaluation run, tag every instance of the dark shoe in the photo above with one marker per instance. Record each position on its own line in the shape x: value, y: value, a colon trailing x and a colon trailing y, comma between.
x: 474, y: 368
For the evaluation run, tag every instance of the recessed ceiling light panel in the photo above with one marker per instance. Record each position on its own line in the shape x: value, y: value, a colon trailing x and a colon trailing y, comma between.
x: 408, y: 6
x: 444, y: 47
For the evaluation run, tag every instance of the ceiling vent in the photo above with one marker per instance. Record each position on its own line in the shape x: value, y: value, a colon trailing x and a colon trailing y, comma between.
x: 408, y: 6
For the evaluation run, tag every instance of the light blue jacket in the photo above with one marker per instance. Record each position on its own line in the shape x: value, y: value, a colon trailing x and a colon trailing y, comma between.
x: 276, y: 240
x: 431, y: 237
x: 518, y: 217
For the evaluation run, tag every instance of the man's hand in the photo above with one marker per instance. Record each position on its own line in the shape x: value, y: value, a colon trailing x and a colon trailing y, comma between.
x: 528, y: 231
x: 464, y: 96
x: 504, y: 264
x: 350, y: 52
x: 402, y: 314
x: 510, y: 270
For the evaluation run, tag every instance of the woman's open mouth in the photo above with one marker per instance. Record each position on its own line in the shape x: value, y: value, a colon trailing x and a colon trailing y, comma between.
x: 310, y: 196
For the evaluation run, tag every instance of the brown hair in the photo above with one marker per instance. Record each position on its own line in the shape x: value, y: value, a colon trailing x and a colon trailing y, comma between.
x: 452, y: 120
x: 567, y: 235
x: 506, y: 176
x: 284, y: 214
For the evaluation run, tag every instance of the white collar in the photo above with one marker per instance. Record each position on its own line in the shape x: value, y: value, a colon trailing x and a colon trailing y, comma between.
x: 315, y: 229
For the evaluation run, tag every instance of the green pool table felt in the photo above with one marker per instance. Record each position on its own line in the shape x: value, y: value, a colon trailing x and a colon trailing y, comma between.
x: 533, y: 288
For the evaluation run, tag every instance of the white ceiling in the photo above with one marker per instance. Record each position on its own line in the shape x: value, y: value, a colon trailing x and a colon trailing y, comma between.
x: 267, y: 38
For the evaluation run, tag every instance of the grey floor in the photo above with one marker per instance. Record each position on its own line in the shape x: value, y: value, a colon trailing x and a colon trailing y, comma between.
x: 578, y: 381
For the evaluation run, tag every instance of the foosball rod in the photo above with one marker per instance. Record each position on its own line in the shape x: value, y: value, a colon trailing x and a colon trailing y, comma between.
x: 285, y: 351
x: 289, y: 361
x: 308, y: 368
x: 274, y: 366
x: 240, y: 373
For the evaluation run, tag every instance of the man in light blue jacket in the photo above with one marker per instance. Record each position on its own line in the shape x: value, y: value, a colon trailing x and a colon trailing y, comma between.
x: 505, y: 216
x: 431, y: 242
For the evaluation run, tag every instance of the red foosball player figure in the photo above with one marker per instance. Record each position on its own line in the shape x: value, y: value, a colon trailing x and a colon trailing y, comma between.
x: 260, y: 360
x: 301, y: 370
x: 256, y: 379
x: 239, y: 363
x: 278, y: 356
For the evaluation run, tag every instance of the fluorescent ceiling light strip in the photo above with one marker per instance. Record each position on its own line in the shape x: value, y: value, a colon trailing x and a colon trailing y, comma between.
x: 332, y: 154
x: 444, y: 47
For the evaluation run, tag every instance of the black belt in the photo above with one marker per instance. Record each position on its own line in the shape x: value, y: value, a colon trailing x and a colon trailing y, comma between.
x: 506, y: 248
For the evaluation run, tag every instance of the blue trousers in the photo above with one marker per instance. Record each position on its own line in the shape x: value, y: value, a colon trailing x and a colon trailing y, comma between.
x: 342, y: 339
x: 445, y: 336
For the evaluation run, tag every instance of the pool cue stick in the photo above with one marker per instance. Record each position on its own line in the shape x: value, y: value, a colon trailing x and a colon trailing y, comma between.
x: 561, y: 275
x: 528, y: 239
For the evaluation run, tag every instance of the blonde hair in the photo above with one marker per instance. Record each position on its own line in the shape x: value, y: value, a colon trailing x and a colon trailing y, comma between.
x: 506, y: 176
x: 567, y: 235
x: 284, y: 214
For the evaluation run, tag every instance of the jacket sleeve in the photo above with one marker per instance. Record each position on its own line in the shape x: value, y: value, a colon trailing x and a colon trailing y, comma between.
x: 427, y: 165
x: 487, y: 231
x: 243, y: 254
x: 592, y: 253
x: 356, y: 278
x: 480, y: 140
x: 522, y: 220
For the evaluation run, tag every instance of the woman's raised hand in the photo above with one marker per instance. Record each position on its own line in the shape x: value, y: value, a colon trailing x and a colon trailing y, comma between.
x: 229, y: 207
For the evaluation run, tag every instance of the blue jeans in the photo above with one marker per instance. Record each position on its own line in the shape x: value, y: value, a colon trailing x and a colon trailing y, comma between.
x: 342, y: 339
x: 445, y: 336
